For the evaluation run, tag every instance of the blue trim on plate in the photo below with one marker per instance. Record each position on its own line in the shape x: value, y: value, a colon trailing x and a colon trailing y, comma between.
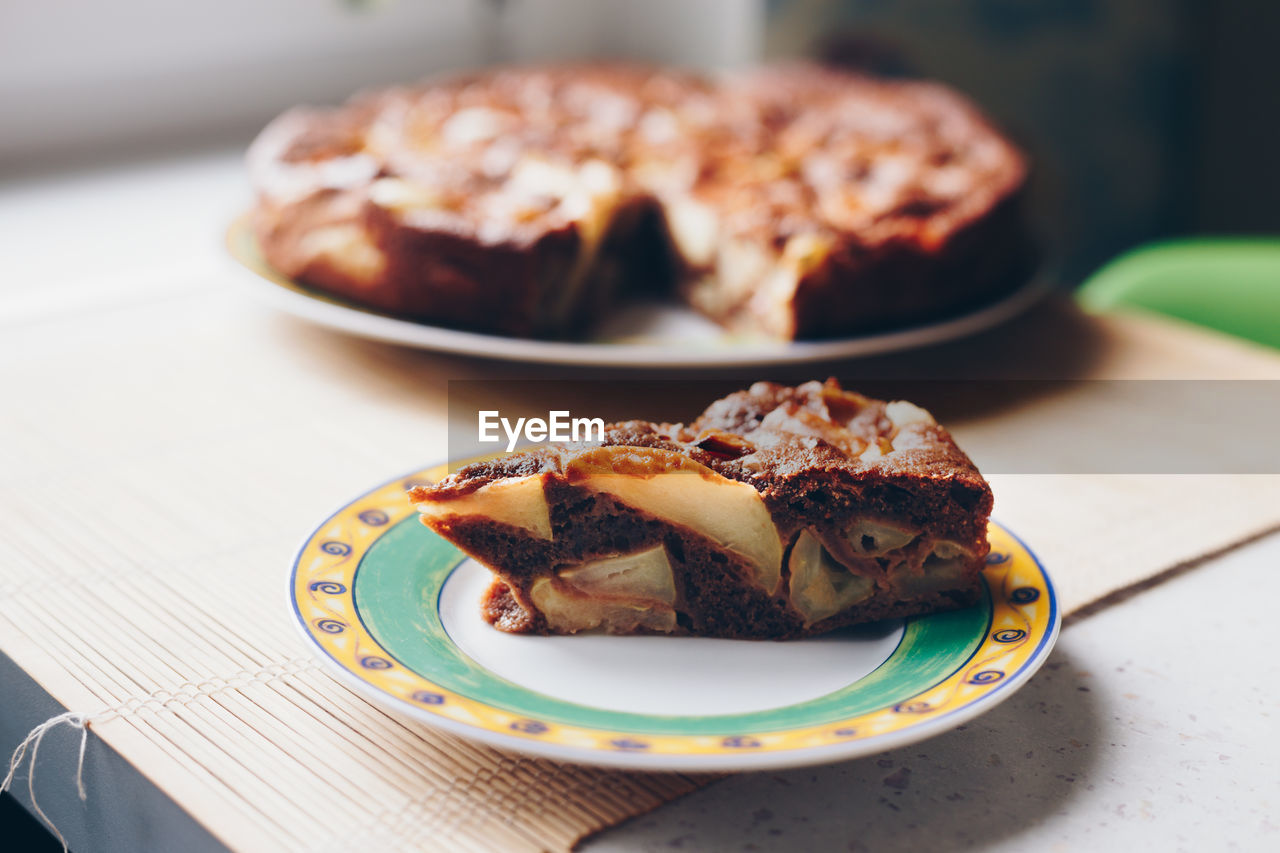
x: 306, y: 540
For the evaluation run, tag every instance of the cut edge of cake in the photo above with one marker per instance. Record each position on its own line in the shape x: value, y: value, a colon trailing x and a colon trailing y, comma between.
x: 780, y: 512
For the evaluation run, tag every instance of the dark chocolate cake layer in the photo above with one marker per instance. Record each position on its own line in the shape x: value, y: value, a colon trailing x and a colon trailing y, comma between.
x: 780, y: 512
x: 793, y: 202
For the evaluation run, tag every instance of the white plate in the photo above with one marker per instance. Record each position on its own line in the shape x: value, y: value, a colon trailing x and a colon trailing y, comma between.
x: 643, y: 335
x: 394, y: 610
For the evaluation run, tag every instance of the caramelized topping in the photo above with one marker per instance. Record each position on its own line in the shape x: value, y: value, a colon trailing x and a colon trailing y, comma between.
x: 724, y: 445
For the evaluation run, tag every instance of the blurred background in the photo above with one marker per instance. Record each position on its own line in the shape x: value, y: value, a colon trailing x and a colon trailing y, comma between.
x: 1145, y: 118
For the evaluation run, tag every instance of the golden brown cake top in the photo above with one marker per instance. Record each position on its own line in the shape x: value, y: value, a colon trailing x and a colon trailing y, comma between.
x: 786, y: 151
x: 765, y: 435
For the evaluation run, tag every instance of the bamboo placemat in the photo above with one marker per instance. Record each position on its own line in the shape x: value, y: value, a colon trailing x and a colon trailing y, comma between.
x: 159, y: 461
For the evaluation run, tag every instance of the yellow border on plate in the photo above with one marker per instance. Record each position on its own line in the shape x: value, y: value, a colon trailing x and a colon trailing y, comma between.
x: 1023, y: 619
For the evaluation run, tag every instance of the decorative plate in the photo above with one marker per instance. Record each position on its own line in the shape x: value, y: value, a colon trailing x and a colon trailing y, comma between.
x: 394, y: 609
x: 643, y: 335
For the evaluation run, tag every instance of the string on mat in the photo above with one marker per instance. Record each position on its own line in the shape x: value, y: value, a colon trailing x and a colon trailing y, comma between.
x: 32, y: 741
x: 158, y: 700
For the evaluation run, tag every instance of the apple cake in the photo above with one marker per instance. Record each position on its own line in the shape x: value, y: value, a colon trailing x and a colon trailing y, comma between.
x: 792, y: 202
x: 779, y: 512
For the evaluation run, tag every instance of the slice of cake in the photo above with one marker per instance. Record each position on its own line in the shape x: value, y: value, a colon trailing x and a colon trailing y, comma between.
x: 793, y: 202
x: 779, y: 512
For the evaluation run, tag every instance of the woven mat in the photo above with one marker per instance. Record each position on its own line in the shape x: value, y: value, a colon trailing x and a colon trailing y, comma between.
x: 163, y: 458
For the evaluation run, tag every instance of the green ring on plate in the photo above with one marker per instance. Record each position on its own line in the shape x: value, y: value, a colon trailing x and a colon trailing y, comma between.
x: 397, y: 591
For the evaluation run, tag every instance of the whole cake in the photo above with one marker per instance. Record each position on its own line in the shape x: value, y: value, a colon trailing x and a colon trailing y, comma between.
x: 780, y: 512
x: 791, y: 202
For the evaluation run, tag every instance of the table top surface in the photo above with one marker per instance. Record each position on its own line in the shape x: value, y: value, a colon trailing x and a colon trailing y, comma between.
x: 1153, y: 723
x: 1142, y: 732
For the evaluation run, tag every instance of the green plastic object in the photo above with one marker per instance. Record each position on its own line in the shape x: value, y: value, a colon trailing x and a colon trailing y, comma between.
x: 1231, y: 285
